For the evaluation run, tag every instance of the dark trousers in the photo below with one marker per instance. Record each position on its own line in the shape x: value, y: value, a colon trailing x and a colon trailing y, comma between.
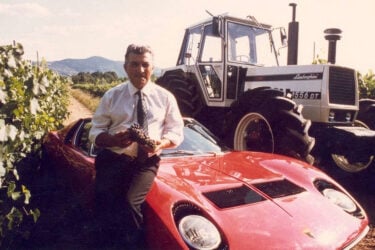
x: 121, y: 186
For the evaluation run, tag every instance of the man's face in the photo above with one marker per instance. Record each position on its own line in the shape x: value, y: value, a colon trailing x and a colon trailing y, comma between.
x: 139, y: 68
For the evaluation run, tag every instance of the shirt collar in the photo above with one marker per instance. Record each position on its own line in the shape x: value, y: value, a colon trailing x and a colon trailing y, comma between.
x: 145, y: 90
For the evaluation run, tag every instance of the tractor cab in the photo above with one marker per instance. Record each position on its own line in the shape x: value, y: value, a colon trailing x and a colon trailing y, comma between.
x: 221, y: 49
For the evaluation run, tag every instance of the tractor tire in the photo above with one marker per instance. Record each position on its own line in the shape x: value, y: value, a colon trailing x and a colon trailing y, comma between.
x: 345, y: 164
x: 263, y: 120
x: 366, y: 112
x: 186, y: 93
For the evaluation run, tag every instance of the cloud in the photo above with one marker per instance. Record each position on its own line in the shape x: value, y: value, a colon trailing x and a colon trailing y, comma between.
x: 24, y: 9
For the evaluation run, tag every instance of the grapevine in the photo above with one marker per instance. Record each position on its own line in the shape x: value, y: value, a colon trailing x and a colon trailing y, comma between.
x: 33, y: 100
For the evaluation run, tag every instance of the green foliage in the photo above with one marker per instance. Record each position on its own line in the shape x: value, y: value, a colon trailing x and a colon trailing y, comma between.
x: 96, y: 90
x: 33, y: 100
x: 96, y: 77
x: 367, y: 85
x: 318, y: 60
x: 96, y: 84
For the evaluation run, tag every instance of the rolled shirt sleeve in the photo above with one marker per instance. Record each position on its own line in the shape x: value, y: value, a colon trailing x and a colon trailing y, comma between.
x: 173, y: 127
x: 100, y: 121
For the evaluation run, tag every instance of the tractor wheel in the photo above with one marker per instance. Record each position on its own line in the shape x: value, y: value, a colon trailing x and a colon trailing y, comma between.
x: 353, y: 166
x: 254, y: 133
x: 186, y: 93
x: 366, y: 112
x: 263, y: 120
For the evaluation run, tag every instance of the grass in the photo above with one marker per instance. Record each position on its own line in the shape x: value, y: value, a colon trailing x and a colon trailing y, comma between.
x: 86, y: 99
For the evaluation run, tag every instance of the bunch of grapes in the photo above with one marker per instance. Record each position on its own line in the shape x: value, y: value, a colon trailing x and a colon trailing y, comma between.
x: 137, y: 134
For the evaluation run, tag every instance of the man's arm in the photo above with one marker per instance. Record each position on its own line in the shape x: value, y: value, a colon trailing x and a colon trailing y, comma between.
x: 173, y: 125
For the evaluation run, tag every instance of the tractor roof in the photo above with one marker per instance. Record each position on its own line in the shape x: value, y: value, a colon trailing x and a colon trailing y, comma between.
x: 250, y: 20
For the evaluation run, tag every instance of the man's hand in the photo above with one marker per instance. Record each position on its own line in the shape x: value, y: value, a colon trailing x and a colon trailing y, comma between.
x: 120, y: 139
x: 163, y: 143
x: 159, y: 145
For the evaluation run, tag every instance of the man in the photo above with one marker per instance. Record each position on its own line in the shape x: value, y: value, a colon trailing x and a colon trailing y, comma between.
x: 125, y: 169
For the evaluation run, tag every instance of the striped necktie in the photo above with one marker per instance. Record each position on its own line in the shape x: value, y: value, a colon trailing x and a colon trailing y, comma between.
x: 141, y: 111
x: 142, y: 121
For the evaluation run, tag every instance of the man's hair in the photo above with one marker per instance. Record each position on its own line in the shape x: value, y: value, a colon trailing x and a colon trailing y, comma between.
x: 138, y: 49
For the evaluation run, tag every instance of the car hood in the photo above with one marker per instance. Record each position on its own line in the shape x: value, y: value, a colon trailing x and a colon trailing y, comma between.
x: 267, y: 200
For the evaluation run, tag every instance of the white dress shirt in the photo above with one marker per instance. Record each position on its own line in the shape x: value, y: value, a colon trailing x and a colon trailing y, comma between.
x: 117, y: 112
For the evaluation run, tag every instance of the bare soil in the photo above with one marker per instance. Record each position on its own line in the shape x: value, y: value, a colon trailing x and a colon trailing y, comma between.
x: 77, y: 111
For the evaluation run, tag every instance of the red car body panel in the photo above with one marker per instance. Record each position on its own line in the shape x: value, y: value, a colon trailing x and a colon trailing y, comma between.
x: 305, y: 220
x: 256, y: 229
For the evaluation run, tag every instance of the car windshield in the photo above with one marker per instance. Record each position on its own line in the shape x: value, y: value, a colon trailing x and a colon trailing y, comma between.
x: 197, y: 141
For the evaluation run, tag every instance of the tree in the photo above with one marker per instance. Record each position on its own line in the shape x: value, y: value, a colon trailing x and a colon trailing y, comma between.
x: 367, y: 85
x: 96, y: 77
x: 110, y: 76
x: 83, y: 77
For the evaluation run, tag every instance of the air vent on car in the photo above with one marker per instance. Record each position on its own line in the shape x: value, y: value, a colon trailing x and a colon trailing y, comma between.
x: 281, y: 188
x: 234, y: 197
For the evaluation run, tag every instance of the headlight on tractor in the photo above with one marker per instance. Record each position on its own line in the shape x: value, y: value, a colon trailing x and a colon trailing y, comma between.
x: 340, y: 199
x: 199, y: 233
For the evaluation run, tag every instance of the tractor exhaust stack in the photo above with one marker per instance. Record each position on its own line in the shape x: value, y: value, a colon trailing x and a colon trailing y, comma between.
x: 293, y: 38
x: 332, y: 36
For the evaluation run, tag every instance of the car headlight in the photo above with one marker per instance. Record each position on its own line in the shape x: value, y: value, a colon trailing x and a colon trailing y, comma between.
x: 340, y: 199
x: 199, y: 233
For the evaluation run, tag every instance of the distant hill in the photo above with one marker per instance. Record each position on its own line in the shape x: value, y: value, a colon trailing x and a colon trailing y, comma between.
x: 69, y: 67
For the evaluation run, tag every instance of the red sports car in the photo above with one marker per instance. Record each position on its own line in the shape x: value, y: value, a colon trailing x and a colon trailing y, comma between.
x: 206, y: 196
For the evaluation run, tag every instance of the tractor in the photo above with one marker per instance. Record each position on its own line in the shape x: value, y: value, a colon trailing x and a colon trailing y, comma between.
x: 228, y: 77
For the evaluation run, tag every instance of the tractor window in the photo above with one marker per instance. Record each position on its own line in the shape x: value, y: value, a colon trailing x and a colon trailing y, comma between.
x: 251, y: 45
x: 265, y: 53
x: 242, y: 50
x: 191, y: 46
x: 211, y: 81
x: 211, y: 51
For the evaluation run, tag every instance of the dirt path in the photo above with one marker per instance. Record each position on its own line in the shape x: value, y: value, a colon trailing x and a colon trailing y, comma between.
x: 77, y: 111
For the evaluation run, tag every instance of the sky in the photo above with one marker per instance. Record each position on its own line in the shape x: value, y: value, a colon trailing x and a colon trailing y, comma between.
x: 56, y: 30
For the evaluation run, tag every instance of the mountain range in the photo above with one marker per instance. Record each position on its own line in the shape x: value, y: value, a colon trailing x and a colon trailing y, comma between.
x: 69, y: 67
